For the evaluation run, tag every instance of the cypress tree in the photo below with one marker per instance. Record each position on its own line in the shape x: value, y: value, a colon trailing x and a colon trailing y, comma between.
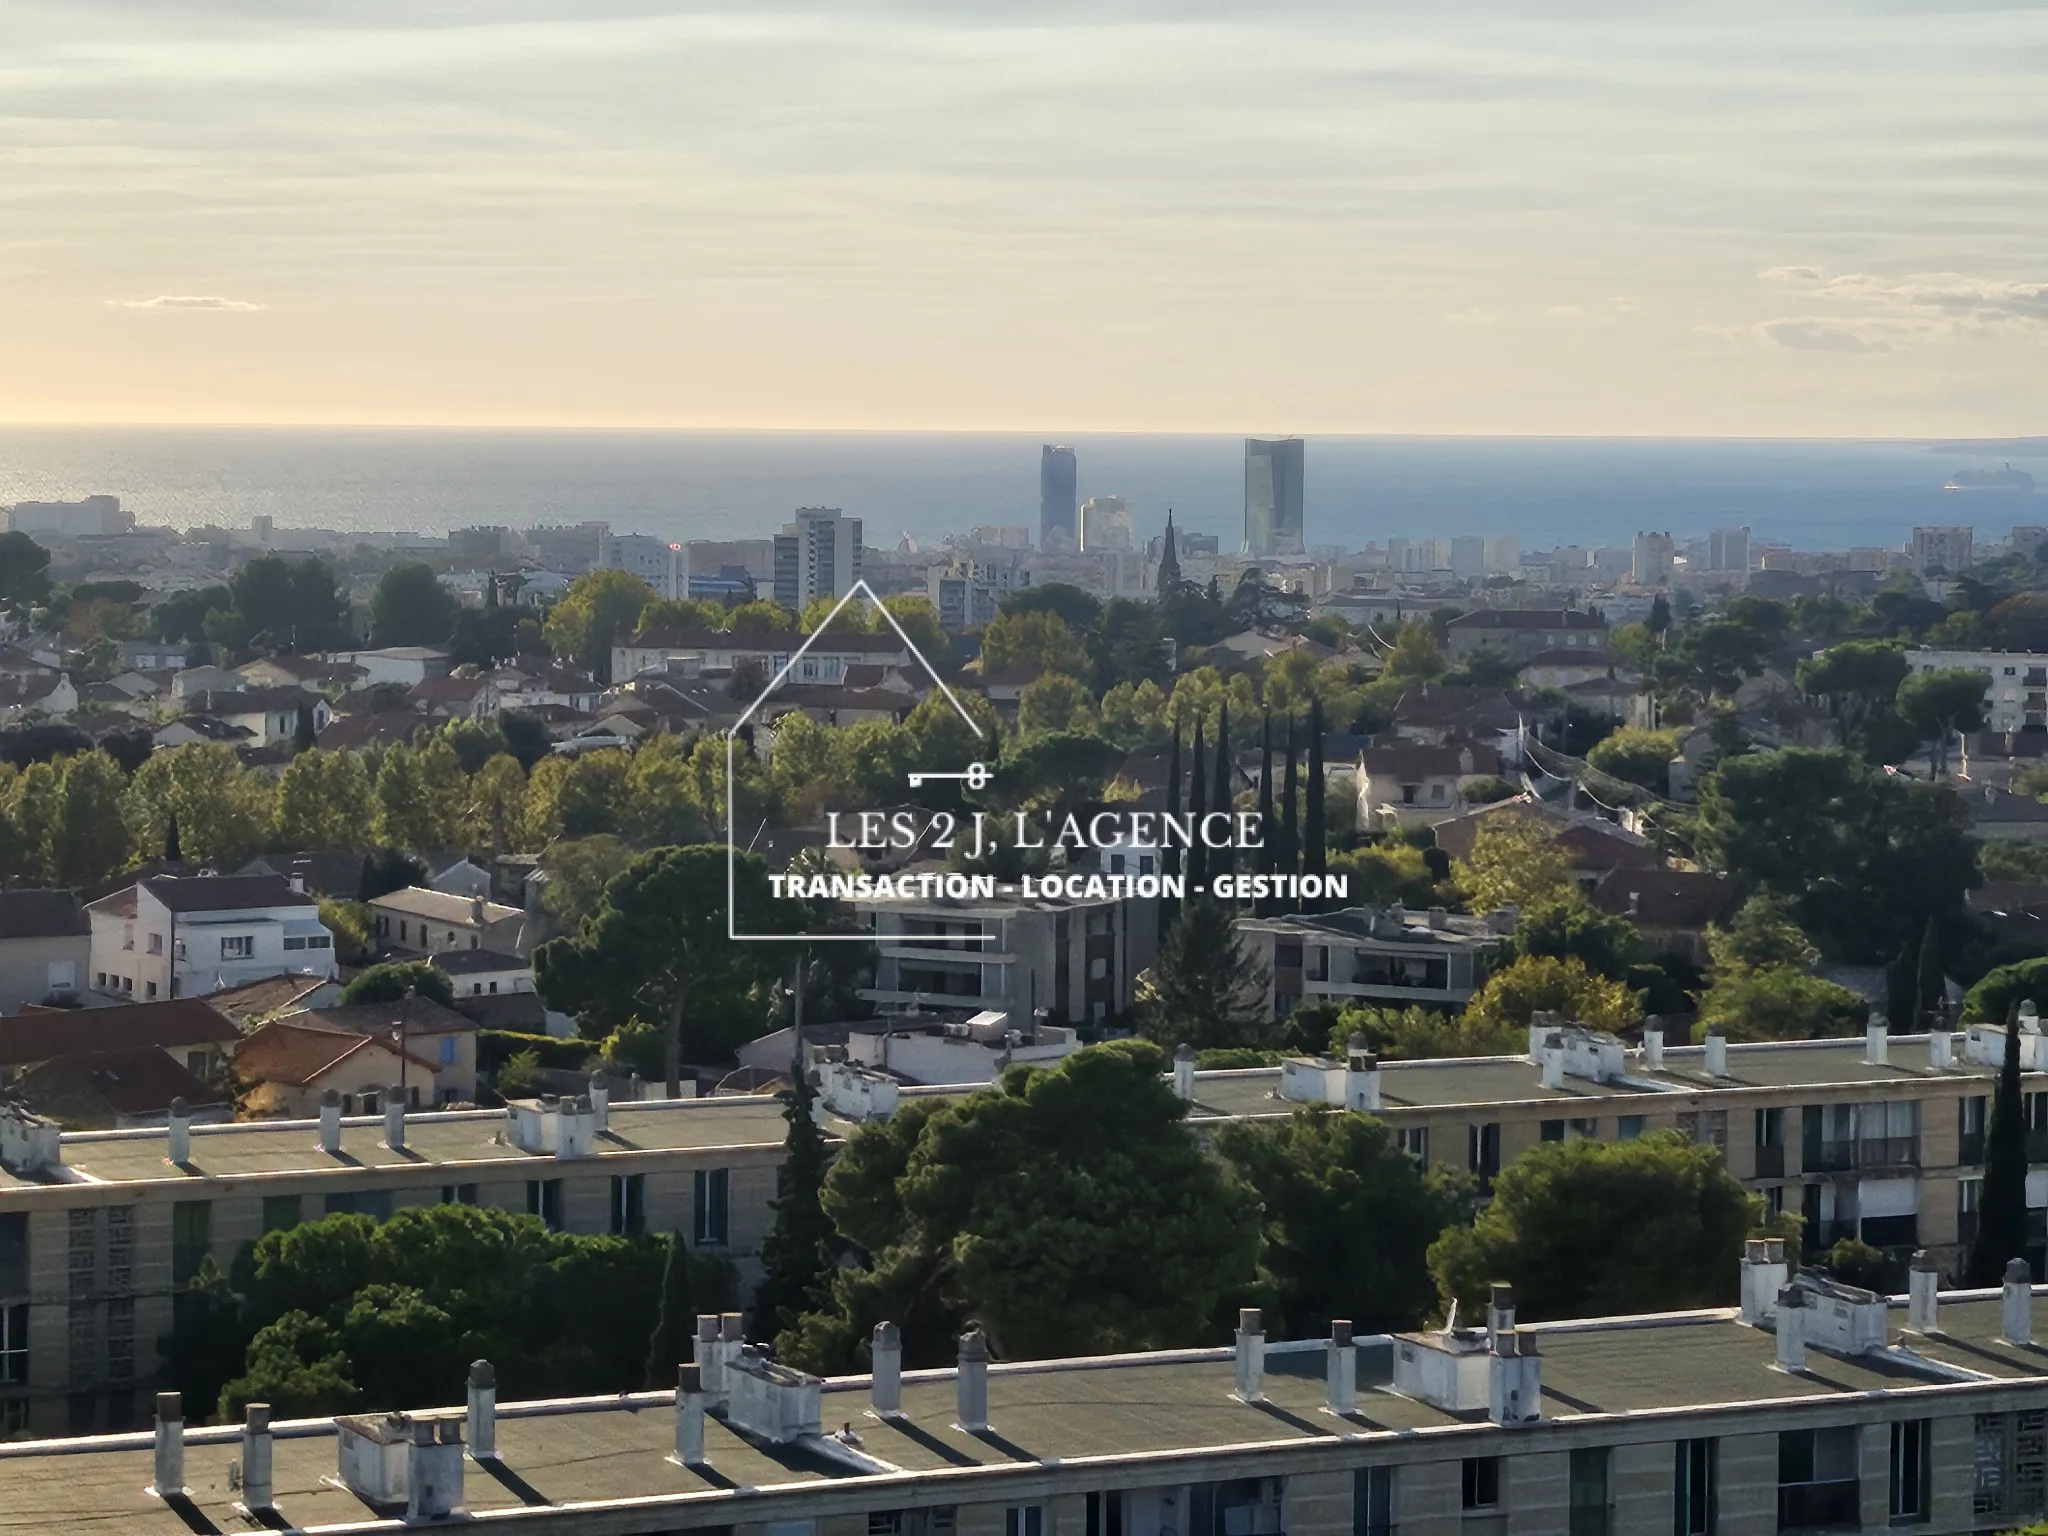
x: 1290, y: 823
x: 303, y: 733
x: 1929, y: 993
x: 172, y: 853
x: 1899, y: 1010
x: 2002, y: 1208
x: 1268, y: 832
x: 1223, y: 860
x: 1169, y: 856
x: 675, y: 1327
x: 797, y: 1250
x: 1315, y: 856
x: 1198, y: 802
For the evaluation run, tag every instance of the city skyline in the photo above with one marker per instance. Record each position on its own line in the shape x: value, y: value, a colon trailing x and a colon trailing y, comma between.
x: 1687, y: 225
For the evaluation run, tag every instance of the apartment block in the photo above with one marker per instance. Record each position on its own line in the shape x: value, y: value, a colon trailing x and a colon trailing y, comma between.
x: 1390, y: 957
x: 2015, y: 683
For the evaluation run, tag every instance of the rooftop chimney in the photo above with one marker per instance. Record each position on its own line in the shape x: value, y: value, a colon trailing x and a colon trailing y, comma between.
x: 1361, y: 1076
x: 1717, y: 1054
x: 1439, y: 918
x: 600, y: 1102
x: 710, y: 1355
x: 690, y: 1403
x: 1941, y: 1050
x: 972, y: 1381
x: 1500, y: 1314
x: 1514, y: 1379
x: 476, y: 910
x: 483, y: 1410
x: 1877, y: 1042
x: 170, y: 1445
x: 1653, y: 1044
x: 1251, y: 1356
x: 257, y: 1494
x: 1341, y: 1371
x: 433, y: 1470
x: 1184, y: 1073
x: 886, y: 1350
x: 1923, y: 1294
x: 1791, y: 1329
x: 394, y: 1119
x: 1553, y: 1059
x: 180, y: 1126
x: 1764, y: 1274
x: 330, y: 1123
x: 297, y: 883
x: 2017, y: 1314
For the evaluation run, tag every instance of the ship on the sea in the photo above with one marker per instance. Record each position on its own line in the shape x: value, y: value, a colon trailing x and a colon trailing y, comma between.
x: 2006, y: 479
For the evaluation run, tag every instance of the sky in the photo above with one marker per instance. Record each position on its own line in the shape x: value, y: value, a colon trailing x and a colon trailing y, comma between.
x: 1447, y: 216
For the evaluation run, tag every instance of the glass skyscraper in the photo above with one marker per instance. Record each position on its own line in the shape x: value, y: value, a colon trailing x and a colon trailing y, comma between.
x: 1272, y: 496
x: 1059, y: 501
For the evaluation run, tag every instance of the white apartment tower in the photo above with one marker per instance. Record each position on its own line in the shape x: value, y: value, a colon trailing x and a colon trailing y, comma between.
x: 816, y: 556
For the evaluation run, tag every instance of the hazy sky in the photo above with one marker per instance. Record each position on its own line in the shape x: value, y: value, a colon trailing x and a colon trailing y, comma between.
x: 1437, y: 216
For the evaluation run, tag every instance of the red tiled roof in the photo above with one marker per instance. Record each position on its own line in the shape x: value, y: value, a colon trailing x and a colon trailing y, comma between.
x: 41, y: 1035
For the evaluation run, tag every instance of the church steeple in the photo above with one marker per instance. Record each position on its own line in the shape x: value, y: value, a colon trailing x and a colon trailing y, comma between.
x: 1169, y: 563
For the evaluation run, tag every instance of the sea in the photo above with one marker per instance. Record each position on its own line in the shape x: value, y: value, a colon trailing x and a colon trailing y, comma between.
x: 922, y: 486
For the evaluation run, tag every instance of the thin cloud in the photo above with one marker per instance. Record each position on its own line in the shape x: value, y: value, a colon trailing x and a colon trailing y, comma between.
x: 186, y: 301
x: 1807, y: 334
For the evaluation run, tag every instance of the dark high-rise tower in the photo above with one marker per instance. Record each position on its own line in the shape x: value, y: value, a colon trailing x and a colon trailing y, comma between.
x: 1059, y: 501
x: 1272, y: 497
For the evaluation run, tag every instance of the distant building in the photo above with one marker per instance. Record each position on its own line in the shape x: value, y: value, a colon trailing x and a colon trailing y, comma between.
x: 1728, y: 549
x: 1058, y: 498
x: 94, y: 517
x: 1169, y: 562
x: 572, y: 549
x: 714, y: 557
x: 969, y: 593
x: 2027, y: 539
x: 1272, y: 496
x: 818, y: 555
x: 1360, y: 955
x: 655, y: 561
x: 1947, y: 550
x: 1652, y: 560
x: 1522, y: 634
x: 479, y: 543
x: 1504, y: 555
x: 1468, y: 557
x: 410, y: 665
x: 2015, y: 683
x: 1105, y: 523
x: 166, y: 937
x: 45, y: 948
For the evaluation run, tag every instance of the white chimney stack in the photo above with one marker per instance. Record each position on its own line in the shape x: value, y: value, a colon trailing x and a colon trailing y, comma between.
x: 1361, y: 1076
x: 690, y: 1404
x: 1500, y: 1314
x: 257, y: 1492
x: 710, y: 1356
x: 330, y: 1123
x: 1791, y: 1329
x: 179, y: 1125
x: 1764, y: 1274
x: 394, y: 1119
x: 1923, y: 1295
x: 1877, y: 1042
x: 170, y: 1445
x: 1514, y: 1379
x: 1941, y: 1050
x: 1653, y: 1045
x: 1251, y: 1356
x: 483, y: 1410
x: 1553, y: 1060
x: 1717, y: 1054
x: 1184, y: 1074
x: 2017, y: 1313
x: 600, y: 1102
x: 1342, y: 1372
x: 886, y: 1350
x: 972, y: 1380
x: 433, y: 1470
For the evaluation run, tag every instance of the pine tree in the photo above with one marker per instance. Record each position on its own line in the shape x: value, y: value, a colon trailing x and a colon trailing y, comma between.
x: 1315, y: 856
x: 172, y: 855
x: 1930, y: 991
x: 675, y: 1327
x: 1223, y: 861
x: 1290, y: 821
x: 1169, y: 856
x: 1268, y: 832
x: 797, y: 1253
x: 2002, y: 1205
x: 1198, y: 802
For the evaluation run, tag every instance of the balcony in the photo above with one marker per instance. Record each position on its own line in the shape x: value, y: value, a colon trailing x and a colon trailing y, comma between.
x: 1830, y: 1156
x: 1770, y: 1162
x: 1819, y: 1506
x: 1888, y: 1152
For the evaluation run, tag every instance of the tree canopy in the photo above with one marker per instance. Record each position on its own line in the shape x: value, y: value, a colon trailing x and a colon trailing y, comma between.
x: 411, y: 607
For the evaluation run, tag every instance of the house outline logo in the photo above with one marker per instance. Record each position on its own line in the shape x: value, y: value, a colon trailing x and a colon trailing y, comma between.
x: 860, y: 588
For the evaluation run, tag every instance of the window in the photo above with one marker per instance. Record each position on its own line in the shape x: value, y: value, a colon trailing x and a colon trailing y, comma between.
x: 14, y: 1344
x: 708, y: 1198
x: 1969, y: 1194
x: 2012, y: 1469
x: 1481, y: 1482
x: 1909, y: 1471
x: 1552, y: 1130
x: 156, y: 943
x: 149, y: 989
x: 280, y: 1213
x: 191, y: 1238
x: 544, y: 1199
x: 1817, y: 1484
x: 1028, y: 1520
x: 1105, y: 1513
x: 1483, y: 1149
x: 1589, y: 1491
x: 629, y: 1204
x: 458, y: 1194
x: 14, y: 1417
x: 373, y: 1203
x: 237, y: 946
x: 1583, y: 1130
x: 1971, y: 1120
x: 1414, y: 1140
x: 14, y: 1253
x: 1372, y: 1501
x: 1693, y: 1488
x: 195, y: 1063
x: 1628, y: 1128
x: 448, y: 1050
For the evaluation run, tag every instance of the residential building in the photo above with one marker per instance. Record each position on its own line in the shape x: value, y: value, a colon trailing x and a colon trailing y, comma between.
x: 1941, y: 551
x: 1059, y: 527
x: 2015, y: 683
x: 1565, y: 668
x: 185, y: 1031
x: 1408, y: 782
x: 166, y: 936
x: 425, y: 922
x: 269, y: 715
x: 657, y: 562
x: 290, y: 1064
x: 408, y: 665
x: 1273, y: 474
x: 253, y: 1002
x: 1468, y: 557
x: 41, y: 694
x: 696, y: 651
x: 91, y: 517
x: 1106, y: 524
x: 45, y: 948
x: 1390, y: 957
x: 713, y: 557
x: 968, y: 590
x: 483, y: 972
x: 1069, y: 961
x: 118, y: 1091
x: 1671, y: 908
x: 1592, y: 846
x: 1521, y: 634
x: 1653, y: 559
x: 818, y: 555
x: 423, y: 1030
x: 1810, y: 1406
x: 2027, y: 539
x: 1728, y: 550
